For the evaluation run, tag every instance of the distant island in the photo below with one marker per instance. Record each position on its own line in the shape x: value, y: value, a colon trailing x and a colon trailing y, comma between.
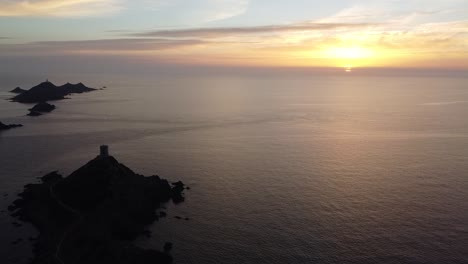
x: 48, y: 91
x: 18, y: 90
x: 41, y: 108
x: 93, y: 214
x: 6, y: 127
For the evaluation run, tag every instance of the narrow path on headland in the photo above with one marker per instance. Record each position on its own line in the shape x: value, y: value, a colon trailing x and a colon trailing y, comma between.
x: 70, y: 228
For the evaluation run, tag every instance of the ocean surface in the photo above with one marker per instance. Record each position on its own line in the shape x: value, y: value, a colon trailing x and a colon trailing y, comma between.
x: 293, y: 168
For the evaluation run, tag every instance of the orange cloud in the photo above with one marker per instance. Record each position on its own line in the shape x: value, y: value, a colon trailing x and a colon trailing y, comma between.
x: 59, y: 8
x: 297, y: 44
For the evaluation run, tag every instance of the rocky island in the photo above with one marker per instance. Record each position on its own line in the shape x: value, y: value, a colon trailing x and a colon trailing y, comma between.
x: 48, y: 91
x: 6, y: 127
x: 92, y: 215
x: 40, y: 108
x: 17, y: 90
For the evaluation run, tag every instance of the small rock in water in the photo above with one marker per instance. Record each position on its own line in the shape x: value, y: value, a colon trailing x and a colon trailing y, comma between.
x: 178, y: 185
x: 43, y: 107
x: 177, y: 191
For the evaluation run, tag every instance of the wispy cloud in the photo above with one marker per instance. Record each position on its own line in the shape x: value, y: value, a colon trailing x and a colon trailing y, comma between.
x: 235, y: 31
x: 96, y: 46
x: 59, y: 8
x: 197, y: 11
x: 378, y: 36
x: 227, y: 9
x: 436, y: 39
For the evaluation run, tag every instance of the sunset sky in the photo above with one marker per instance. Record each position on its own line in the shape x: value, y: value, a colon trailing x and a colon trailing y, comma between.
x: 333, y: 33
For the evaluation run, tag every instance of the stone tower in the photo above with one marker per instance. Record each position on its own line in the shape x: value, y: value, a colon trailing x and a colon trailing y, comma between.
x: 104, y: 151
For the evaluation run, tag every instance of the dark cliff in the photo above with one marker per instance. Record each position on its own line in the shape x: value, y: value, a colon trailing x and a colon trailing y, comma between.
x: 88, y: 216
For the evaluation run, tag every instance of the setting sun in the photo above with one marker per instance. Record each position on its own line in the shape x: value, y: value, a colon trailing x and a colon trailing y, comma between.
x: 345, y: 56
x: 348, y: 52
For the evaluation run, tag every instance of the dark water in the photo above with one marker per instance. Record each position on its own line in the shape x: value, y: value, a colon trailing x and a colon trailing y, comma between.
x: 282, y: 169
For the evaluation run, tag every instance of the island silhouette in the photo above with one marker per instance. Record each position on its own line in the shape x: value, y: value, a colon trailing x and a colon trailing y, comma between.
x: 47, y: 91
x: 6, y: 127
x: 18, y: 90
x: 40, y: 108
x: 92, y: 215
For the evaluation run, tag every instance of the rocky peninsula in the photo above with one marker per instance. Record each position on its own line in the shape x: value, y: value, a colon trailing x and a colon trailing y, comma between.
x: 92, y: 215
x: 6, y: 127
x: 48, y: 91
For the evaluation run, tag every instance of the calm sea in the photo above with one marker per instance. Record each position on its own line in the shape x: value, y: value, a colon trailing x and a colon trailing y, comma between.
x: 289, y: 168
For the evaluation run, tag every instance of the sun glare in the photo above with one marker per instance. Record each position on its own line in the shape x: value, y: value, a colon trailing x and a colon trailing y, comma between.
x: 348, y: 53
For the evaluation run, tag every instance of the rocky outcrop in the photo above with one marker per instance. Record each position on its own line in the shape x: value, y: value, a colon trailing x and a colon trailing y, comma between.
x: 43, y: 107
x: 40, y: 108
x: 48, y: 91
x: 6, y: 127
x: 92, y: 214
x: 34, y: 113
x: 17, y: 90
